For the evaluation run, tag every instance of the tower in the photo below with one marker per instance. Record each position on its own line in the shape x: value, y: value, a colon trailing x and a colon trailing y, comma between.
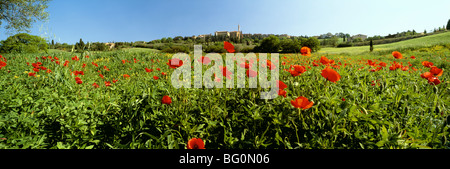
x: 239, y: 28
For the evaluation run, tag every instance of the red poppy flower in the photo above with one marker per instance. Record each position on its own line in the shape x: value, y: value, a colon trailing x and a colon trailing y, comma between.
x: 158, y: 69
x: 245, y: 65
x: 324, y: 60
x: 75, y: 58
x: 397, y: 55
x: 66, y: 63
x: 49, y: 71
x: 107, y: 83
x: 162, y: 73
x: 228, y: 46
x: 331, y: 75
x: 32, y: 74
x: 114, y: 80
x: 305, y: 51
x: 174, y: 63
x: 434, y: 80
x: 126, y: 76
x: 148, y: 70
x: 95, y: 85
x: 413, y: 57
x: 195, y: 143
x: 84, y: 65
x: 166, y: 100
x: 155, y: 77
x: 302, y: 102
x: 78, y: 80
x: 281, y: 85
x: 226, y: 72
x: 427, y: 64
x: 101, y: 76
x: 95, y: 64
x: 205, y: 60
x: 426, y: 75
x: 251, y: 73
x: 436, y: 71
x: 104, y: 67
x: 270, y: 65
x: 282, y: 93
x: 36, y: 69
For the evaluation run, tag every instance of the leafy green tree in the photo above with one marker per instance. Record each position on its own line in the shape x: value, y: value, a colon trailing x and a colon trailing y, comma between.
x: 311, y: 42
x: 19, y: 15
x: 23, y: 43
x: 269, y: 44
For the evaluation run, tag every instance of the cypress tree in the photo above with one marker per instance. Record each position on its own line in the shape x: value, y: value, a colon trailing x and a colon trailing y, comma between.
x: 371, y: 45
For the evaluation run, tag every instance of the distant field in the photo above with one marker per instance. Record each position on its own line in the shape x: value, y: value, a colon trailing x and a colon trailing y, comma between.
x: 443, y: 38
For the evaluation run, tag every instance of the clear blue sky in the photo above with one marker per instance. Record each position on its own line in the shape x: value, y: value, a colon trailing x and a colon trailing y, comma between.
x: 145, y: 20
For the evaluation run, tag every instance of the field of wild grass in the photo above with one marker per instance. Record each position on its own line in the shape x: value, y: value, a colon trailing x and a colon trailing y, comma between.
x: 115, y: 100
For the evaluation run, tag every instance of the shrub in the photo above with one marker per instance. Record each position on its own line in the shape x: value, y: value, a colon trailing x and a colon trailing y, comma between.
x: 23, y: 43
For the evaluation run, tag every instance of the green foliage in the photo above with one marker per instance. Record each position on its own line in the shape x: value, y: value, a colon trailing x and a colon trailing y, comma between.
x: 52, y: 111
x: 270, y: 44
x: 20, y: 15
x: 23, y: 43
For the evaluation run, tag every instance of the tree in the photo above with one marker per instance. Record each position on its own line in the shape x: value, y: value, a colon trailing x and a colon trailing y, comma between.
x: 448, y: 25
x: 23, y: 43
x: 371, y: 45
x: 269, y: 44
x: 20, y: 14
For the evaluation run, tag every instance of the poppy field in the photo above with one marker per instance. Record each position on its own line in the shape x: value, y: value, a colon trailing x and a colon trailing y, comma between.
x: 119, y: 99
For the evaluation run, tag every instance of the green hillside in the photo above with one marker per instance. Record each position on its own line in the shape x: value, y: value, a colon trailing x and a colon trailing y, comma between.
x: 442, y: 38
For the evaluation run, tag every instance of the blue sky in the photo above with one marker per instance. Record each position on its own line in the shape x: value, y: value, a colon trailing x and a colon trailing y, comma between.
x: 146, y: 20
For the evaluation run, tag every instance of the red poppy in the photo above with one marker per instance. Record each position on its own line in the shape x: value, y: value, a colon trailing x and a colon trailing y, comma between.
x: 36, y: 69
x: 66, y: 63
x: 166, y: 100
x: 245, y: 65
x: 84, y: 65
x: 251, y: 73
x: 405, y: 68
x: 195, y: 143
x: 343, y: 99
x: 162, y: 73
x: 95, y: 85
x: 281, y: 85
x: 78, y: 80
x: 270, y: 65
x: 49, y: 71
x: 226, y: 72
x: 302, y: 102
x: 331, y: 75
x: 433, y: 80
x: 155, y: 77
x: 426, y: 75
x: 205, y: 60
x: 95, y: 64
x: 305, y: 51
x: 324, y: 60
x: 282, y: 93
x: 126, y: 76
x: 107, y: 83
x: 397, y: 55
x: 413, y: 57
x: 436, y: 71
x: 32, y: 74
x: 174, y: 63
x: 228, y: 46
x: 427, y: 64
x: 148, y: 70
x: 104, y: 67
x: 75, y: 58
x: 101, y: 76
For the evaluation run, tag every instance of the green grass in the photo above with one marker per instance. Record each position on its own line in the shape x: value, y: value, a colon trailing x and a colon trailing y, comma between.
x: 442, y: 38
